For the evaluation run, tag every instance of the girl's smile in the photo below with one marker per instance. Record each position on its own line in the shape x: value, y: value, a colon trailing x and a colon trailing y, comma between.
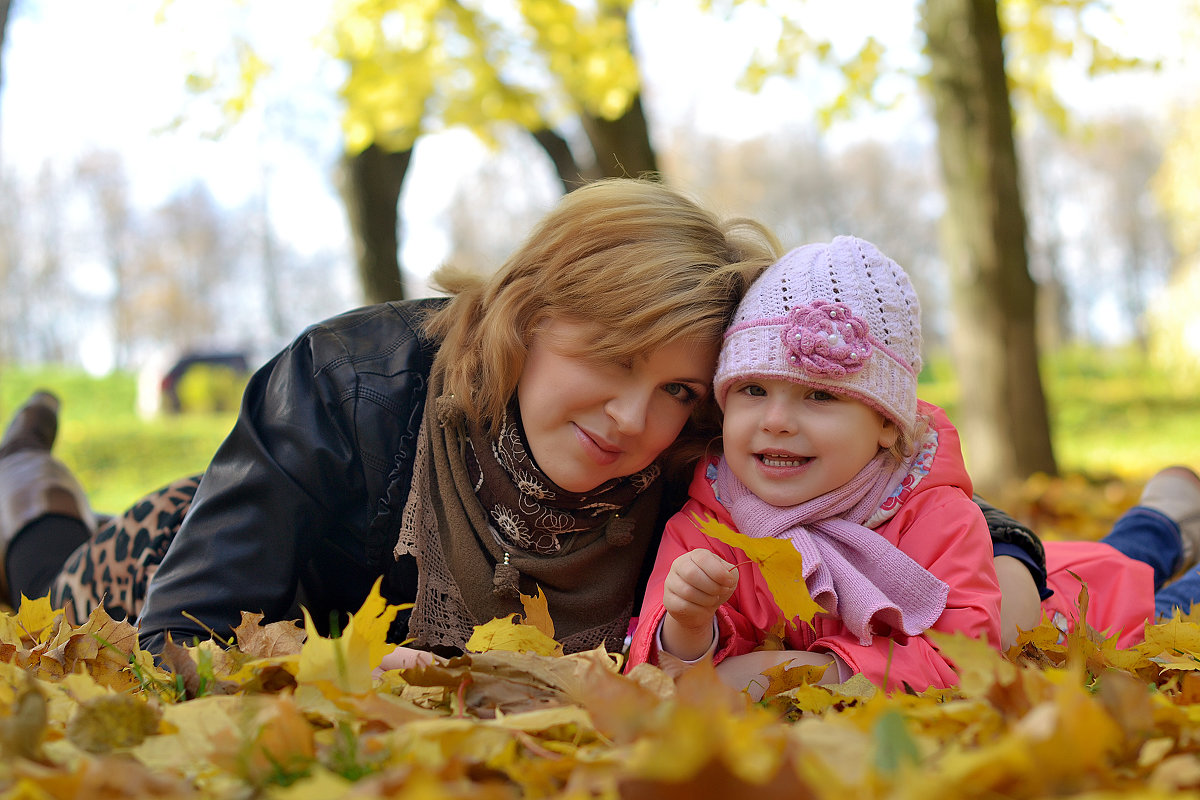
x: 789, y: 443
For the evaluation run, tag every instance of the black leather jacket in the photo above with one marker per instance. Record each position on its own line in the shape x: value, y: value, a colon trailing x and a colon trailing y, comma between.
x: 285, y: 513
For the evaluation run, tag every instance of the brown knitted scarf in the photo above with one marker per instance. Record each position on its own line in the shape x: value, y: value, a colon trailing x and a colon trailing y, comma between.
x: 589, y: 576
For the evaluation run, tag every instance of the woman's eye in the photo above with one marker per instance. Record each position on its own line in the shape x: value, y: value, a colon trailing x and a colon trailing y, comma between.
x: 682, y: 392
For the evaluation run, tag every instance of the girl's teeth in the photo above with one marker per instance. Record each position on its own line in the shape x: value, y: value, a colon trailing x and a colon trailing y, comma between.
x: 782, y: 462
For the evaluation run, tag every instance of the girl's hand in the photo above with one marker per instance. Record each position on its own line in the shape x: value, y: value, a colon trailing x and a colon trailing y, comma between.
x: 404, y: 658
x: 698, y: 583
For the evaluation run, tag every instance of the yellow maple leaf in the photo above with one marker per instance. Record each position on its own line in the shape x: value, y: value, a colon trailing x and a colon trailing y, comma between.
x: 505, y: 633
x: 1172, y: 640
x: 34, y: 620
x: 782, y: 677
x: 345, y: 664
x: 780, y: 563
x: 35, y: 616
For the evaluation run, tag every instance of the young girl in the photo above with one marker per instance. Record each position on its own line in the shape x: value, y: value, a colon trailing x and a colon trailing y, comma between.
x: 826, y: 445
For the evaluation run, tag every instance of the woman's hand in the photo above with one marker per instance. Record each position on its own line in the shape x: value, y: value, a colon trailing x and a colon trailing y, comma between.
x: 698, y: 583
x: 1020, y: 606
x: 746, y: 671
x: 404, y: 658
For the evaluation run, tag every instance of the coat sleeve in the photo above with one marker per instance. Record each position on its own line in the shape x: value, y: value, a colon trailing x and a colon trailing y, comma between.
x: 945, y: 532
x: 281, y: 515
x: 259, y: 506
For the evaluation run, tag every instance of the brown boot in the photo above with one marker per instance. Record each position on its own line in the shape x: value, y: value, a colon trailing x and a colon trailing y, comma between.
x: 33, y: 483
x: 34, y: 426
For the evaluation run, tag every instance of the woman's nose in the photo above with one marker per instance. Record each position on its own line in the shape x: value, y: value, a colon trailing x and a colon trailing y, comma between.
x: 629, y: 409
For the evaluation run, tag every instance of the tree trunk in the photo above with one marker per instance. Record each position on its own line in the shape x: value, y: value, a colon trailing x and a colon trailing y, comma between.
x: 622, y: 145
x: 569, y: 172
x: 371, y: 189
x: 1006, y: 430
x: 5, y: 6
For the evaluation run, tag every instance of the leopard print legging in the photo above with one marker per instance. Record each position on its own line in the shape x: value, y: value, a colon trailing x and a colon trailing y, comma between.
x: 114, y: 567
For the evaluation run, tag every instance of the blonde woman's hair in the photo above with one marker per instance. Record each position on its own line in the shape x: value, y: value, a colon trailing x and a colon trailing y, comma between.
x: 642, y: 260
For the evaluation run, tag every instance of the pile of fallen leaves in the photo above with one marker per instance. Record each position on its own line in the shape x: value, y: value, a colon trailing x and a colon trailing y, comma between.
x: 285, y: 712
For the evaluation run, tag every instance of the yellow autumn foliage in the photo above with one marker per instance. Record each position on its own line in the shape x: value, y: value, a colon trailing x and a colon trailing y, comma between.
x: 85, y: 713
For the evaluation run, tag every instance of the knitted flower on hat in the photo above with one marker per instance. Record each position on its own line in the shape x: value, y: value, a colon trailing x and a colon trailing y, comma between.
x: 840, y: 316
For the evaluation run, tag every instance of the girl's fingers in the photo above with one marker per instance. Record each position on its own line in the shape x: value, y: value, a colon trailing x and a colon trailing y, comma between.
x: 701, y: 578
x: 721, y: 573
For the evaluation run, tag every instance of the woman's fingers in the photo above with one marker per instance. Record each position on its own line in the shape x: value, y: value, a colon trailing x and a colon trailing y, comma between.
x: 403, y: 658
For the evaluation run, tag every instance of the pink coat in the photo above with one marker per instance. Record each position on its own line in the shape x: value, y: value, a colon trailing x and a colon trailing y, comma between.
x: 936, y: 524
x: 1120, y: 590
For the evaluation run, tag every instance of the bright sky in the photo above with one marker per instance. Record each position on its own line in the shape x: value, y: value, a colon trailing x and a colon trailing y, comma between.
x: 81, y: 74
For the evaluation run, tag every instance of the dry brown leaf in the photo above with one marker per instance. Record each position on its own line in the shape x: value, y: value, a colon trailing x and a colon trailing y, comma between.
x: 511, y: 682
x: 537, y: 613
x: 179, y: 660
x: 270, y: 640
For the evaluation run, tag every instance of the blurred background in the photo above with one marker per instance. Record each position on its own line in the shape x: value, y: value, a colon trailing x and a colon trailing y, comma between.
x: 187, y: 184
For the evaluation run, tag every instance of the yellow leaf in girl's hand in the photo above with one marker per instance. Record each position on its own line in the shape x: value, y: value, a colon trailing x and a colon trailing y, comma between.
x: 779, y: 562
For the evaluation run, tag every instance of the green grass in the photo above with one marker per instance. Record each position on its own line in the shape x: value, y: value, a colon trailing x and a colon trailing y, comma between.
x: 117, y: 455
x: 1111, y: 412
x: 1112, y: 415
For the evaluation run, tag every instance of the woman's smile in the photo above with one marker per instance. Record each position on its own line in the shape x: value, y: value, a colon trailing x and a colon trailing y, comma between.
x: 600, y: 450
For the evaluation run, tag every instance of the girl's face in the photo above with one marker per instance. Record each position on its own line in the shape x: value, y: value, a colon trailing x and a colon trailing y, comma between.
x: 789, y: 443
x: 587, y: 420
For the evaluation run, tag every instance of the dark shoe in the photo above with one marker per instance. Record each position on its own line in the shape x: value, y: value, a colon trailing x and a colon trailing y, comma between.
x: 34, y: 426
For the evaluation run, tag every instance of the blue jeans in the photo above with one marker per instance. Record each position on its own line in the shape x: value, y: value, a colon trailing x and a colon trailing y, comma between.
x: 1154, y: 538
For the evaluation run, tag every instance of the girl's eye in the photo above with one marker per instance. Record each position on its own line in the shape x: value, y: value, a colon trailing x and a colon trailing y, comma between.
x: 682, y: 392
x: 754, y: 390
x: 822, y: 396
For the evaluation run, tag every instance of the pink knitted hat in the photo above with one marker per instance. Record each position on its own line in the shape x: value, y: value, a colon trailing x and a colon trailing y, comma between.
x: 840, y: 316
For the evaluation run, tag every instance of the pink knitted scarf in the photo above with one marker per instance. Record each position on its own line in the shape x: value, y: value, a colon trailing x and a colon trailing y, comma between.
x: 851, y: 571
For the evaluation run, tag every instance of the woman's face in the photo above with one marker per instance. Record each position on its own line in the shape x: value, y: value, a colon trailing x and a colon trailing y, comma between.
x: 587, y: 420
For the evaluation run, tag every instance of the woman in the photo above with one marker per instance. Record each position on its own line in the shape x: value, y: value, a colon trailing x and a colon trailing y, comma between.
x: 511, y: 438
